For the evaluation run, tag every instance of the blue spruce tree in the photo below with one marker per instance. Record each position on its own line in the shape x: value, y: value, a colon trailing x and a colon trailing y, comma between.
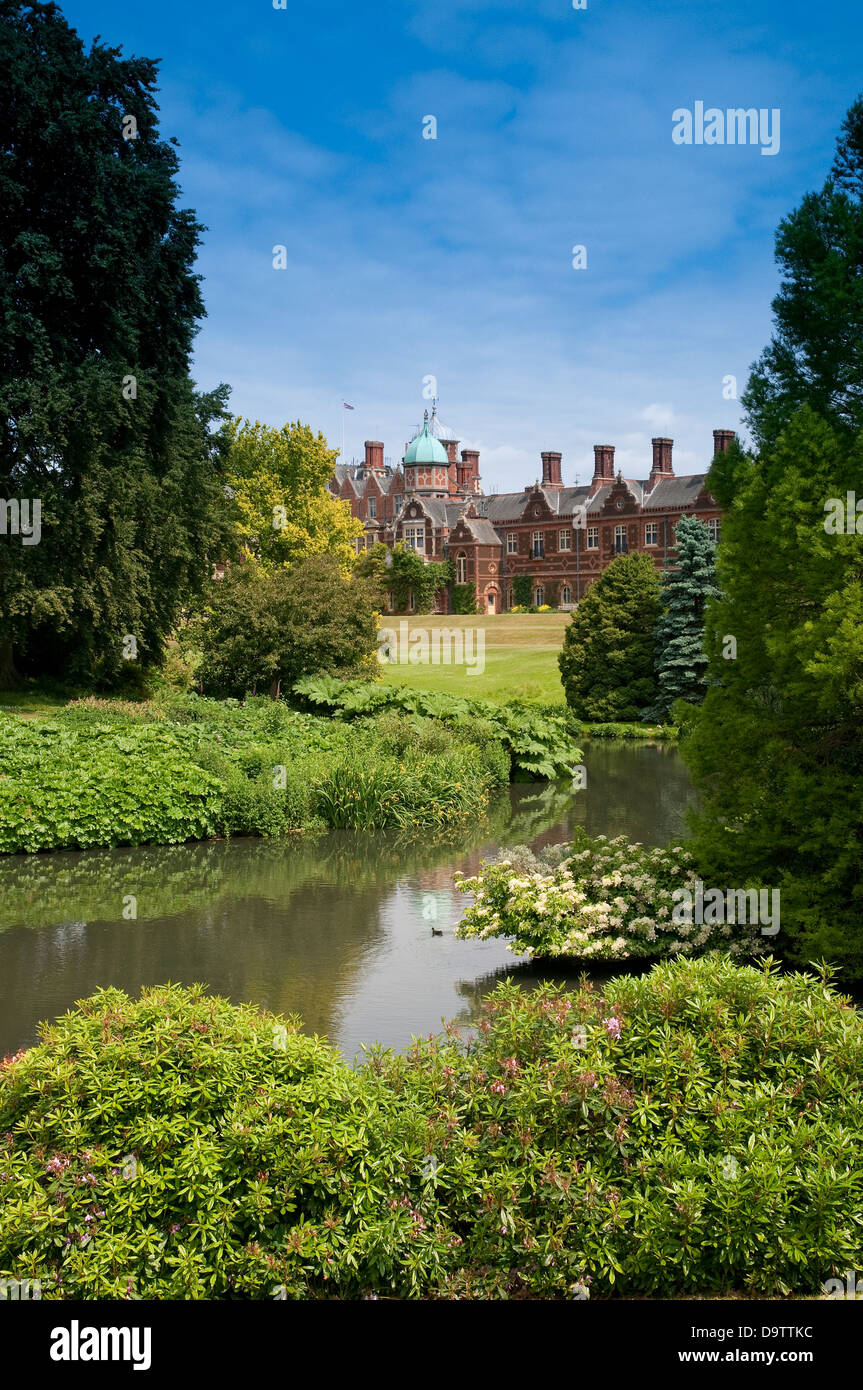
x: 681, y: 662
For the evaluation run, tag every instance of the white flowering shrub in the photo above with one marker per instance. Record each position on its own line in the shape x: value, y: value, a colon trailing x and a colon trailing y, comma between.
x: 603, y: 899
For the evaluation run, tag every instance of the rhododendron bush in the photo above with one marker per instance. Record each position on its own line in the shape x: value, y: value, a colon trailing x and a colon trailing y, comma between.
x: 598, y: 898
x: 697, y: 1129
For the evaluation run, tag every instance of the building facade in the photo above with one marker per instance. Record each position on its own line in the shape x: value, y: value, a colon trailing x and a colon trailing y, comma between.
x: 560, y: 538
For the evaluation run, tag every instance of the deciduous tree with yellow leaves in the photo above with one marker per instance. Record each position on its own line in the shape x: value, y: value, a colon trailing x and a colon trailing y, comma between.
x: 284, y: 513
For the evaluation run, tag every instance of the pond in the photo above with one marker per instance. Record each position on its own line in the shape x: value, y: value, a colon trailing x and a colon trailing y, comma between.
x: 336, y: 928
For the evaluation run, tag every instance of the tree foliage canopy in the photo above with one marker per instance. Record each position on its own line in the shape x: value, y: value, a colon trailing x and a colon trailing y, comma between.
x: 815, y: 356
x: 776, y: 749
x: 283, y: 510
x: 402, y: 573
x: 606, y: 665
x: 99, y: 305
x: 262, y: 628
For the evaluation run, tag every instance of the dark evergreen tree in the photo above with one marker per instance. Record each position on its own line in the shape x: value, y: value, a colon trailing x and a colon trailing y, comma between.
x: 681, y: 661
x: 99, y: 306
x: 776, y: 749
x: 606, y: 665
x: 815, y: 356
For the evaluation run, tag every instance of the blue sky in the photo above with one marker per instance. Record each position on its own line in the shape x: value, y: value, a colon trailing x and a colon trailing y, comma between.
x: 409, y: 258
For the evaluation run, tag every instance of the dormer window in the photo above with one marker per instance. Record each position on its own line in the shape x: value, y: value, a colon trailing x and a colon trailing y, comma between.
x: 415, y: 537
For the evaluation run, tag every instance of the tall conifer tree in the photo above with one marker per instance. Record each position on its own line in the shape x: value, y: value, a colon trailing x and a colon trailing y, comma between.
x: 681, y: 661
x: 99, y: 306
x: 606, y: 665
x: 815, y: 356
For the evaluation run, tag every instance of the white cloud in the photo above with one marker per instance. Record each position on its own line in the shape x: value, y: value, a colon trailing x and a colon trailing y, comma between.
x: 659, y: 417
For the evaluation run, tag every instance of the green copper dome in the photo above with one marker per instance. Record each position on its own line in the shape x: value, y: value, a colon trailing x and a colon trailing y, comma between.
x: 425, y: 448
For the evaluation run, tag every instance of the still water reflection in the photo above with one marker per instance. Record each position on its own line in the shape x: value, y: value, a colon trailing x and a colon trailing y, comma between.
x: 334, y: 928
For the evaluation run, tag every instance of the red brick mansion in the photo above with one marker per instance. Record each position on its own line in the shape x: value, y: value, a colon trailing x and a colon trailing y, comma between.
x: 560, y: 537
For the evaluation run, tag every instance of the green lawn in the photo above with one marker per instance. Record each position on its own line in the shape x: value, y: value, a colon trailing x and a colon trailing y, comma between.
x: 29, y: 703
x: 521, y: 651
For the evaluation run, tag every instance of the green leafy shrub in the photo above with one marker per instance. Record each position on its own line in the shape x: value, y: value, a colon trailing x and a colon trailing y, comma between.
x: 261, y: 629
x: 464, y: 598
x: 540, y: 745
x: 695, y: 1130
x: 179, y: 1147
x: 522, y: 590
x: 102, y: 785
x: 599, y: 899
x: 182, y: 768
x: 399, y: 733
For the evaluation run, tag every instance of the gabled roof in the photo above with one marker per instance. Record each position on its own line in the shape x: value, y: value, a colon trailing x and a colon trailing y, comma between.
x: 356, y: 476
x: 506, y: 506
x: 482, y: 531
x: 675, y: 492
x: 564, y: 500
x: 602, y: 494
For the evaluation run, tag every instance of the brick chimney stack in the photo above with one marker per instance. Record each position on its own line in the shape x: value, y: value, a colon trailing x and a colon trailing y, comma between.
x: 551, y: 469
x: 721, y: 441
x: 468, y: 470
x: 374, y: 456
x: 451, y: 446
x: 662, y: 466
x: 603, y: 467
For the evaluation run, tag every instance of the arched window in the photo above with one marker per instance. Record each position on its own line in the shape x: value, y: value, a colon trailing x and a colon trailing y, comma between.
x: 539, y: 595
x: 566, y: 594
x: 461, y: 568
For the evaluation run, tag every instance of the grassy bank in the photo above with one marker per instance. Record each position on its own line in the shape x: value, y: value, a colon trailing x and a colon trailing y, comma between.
x: 694, y: 1131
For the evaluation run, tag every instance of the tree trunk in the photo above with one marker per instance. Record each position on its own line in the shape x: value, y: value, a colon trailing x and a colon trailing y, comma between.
x: 9, y: 676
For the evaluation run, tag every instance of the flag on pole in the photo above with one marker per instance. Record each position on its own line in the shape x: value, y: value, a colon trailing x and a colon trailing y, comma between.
x: 346, y: 406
